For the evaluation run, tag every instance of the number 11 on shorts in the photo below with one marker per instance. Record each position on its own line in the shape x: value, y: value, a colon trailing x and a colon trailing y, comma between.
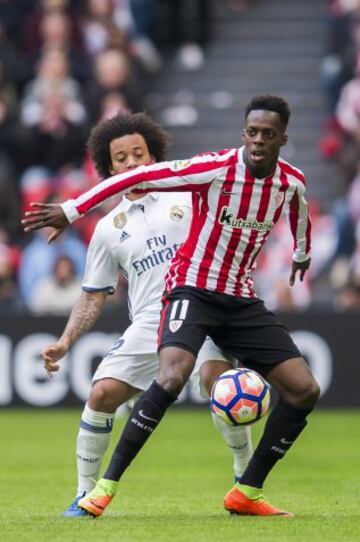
x: 178, y: 314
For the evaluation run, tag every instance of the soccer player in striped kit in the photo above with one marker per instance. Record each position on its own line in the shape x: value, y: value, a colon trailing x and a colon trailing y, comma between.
x: 238, y: 195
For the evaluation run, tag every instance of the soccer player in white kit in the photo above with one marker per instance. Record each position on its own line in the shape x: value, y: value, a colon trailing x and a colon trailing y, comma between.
x: 138, y: 237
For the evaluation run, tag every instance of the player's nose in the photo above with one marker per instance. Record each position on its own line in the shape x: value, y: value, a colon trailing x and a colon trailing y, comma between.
x: 259, y: 138
x: 131, y: 163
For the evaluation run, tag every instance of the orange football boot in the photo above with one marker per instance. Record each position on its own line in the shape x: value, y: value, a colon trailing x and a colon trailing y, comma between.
x: 236, y: 502
x: 99, y: 498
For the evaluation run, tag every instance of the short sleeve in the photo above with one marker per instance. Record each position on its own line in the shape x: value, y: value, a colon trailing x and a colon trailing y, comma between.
x: 101, y: 269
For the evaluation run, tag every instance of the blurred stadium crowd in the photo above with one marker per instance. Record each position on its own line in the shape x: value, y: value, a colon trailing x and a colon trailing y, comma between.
x: 340, y: 144
x: 65, y: 65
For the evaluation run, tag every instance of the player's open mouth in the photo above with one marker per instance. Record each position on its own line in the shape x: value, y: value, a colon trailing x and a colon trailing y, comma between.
x: 257, y: 156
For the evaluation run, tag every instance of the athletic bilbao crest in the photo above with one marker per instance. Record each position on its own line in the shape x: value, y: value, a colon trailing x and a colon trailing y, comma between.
x: 174, y: 325
x: 178, y: 314
x: 279, y: 198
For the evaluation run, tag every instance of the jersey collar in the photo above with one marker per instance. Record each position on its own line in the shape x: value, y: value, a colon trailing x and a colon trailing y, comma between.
x: 127, y: 204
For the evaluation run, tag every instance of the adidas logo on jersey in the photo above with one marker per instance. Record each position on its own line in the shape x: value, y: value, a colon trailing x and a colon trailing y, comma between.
x: 124, y: 235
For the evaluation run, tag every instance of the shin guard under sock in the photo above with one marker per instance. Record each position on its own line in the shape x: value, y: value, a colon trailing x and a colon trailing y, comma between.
x: 142, y: 421
x: 284, y: 425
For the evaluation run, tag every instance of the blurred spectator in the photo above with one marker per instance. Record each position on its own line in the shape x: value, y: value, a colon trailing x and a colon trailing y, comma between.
x: 338, y: 62
x: 9, y: 260
x: 13, y: 70
x: 273, y: 273
x: 349, y: 297
x: 186, y: 27
x: 9, y: 204
x: 14, y: 153
x: 144, y: 13
x: 52, y: 79
x: 38, y: 260
x: 349, y: 288
x: 56, y: 120
x: 54, y: 23
x: 339, y: 65
x: 100, y: 29
x: 113, y: 74
x: 13, y: 13
x: 57, y: 131
x: 57, y: 293
x: 345, y: 235
x: 348, y: 117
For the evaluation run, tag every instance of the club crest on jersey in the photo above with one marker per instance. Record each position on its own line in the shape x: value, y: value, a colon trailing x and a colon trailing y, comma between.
x: 174, y: 325
x: 181, y: 164
x: 120, y: 221
x: 278, y: 199
x: 176, y: 213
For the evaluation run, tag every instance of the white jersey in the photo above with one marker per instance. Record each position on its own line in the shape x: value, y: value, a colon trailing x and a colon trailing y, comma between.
x: 138, y: 238
x: 233, y: 214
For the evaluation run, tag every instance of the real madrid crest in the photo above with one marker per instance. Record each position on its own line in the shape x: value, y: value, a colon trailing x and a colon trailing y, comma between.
x: 176, y: 213
x: 120, y: 221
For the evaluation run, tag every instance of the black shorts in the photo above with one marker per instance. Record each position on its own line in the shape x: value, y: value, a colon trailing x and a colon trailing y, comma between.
x: 240, y: 326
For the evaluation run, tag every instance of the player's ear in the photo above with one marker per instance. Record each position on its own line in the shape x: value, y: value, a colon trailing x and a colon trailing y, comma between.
x: 284, y: 140
x: 152, y: 159
x: 243, y: 135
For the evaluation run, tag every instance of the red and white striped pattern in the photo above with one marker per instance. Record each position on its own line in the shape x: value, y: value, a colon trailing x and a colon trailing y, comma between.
x: 233, y: 213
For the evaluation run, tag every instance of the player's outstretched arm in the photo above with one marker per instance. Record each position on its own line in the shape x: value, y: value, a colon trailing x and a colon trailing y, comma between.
x: 45, y: 215
x: 83, y: 315
x: 177, y: 175
x: 299, y: 267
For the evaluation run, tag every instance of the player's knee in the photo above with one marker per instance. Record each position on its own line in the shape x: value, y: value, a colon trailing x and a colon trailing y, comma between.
x: 175, y: 369
x: 306, y: 396
x: 210, y: 371
x: 313, y: 393
x: 102, y: 399
x: 207, y: 382
x: 172, y: 381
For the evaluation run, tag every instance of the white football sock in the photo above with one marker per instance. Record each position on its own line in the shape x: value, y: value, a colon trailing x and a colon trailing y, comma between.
x: 92, y: 441
x: 238, y: 439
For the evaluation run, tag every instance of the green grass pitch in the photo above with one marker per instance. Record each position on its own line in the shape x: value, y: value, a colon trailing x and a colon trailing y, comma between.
x: 173, y: 492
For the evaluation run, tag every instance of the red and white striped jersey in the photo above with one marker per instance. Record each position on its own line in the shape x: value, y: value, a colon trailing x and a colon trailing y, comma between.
x: 233, y: 213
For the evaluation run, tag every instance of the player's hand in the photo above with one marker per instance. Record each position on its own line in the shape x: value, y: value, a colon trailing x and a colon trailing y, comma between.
x: 51, y: 356
x: 45, y: 215
x: 299, y: 267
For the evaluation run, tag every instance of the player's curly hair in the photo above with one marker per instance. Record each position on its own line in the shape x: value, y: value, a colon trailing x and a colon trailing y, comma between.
x: 268, y: 102
x: 122, y: 124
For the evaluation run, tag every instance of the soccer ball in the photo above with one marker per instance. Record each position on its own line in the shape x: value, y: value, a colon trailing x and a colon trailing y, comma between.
x: 240, y: 397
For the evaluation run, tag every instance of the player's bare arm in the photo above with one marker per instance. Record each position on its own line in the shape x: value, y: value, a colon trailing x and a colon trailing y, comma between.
x: 83, y: 315
x: 299, y: 268
x: 45, y: 215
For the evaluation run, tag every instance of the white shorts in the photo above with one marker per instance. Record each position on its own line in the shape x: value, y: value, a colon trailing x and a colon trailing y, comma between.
x: 134, y: 358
